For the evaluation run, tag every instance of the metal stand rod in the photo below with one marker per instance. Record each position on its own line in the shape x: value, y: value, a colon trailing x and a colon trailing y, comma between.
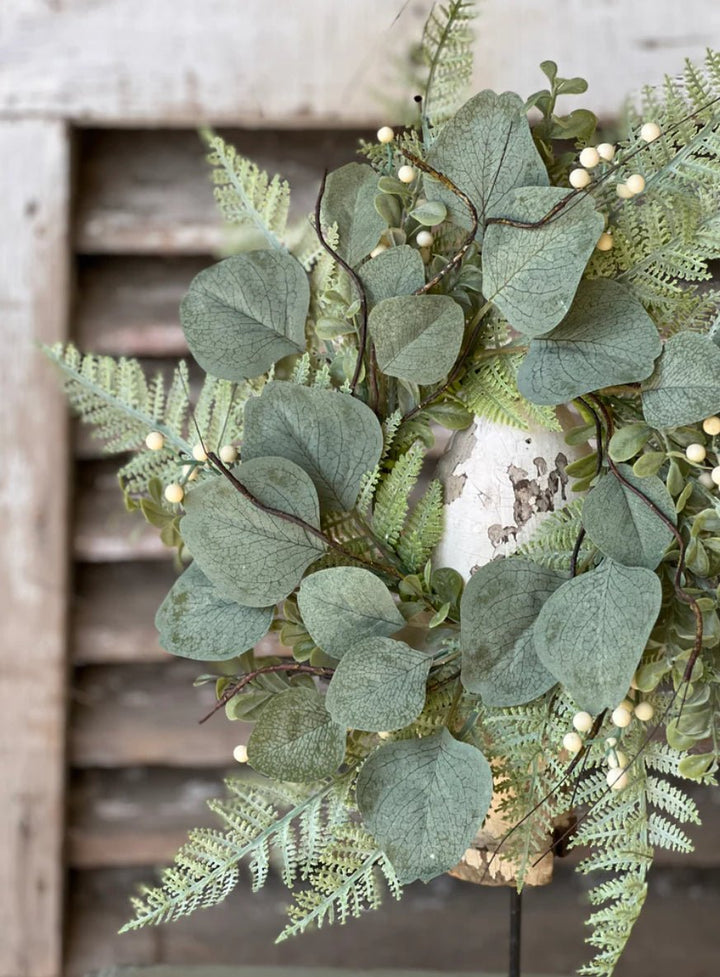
x: 515, y: 931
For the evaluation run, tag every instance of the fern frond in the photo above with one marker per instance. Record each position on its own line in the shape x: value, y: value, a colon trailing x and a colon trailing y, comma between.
x: 447, y: 52
x: 350, y: 876
x: 245, y: 194
x: 553, y: 541
x: 489, y: 389
x: 392, y: 499
x: 206, y: 868
x: 371, y: 480
x: 423, y: 528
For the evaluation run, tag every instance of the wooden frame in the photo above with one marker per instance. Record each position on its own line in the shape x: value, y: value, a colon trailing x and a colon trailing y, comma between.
x: 169, y: 62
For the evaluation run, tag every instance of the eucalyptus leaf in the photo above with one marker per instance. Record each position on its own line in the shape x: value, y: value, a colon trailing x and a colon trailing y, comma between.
x: 487, y: 150
x: 607, y: 338
x: 332, y: 436
x: 430, y: 213
x: 498, y: 610
x: 252, y: 556
x: 245, y: 313
x: 397, y: 271
x: 295, y: 738
x: 531, y: 274
x: 342, y: 605
x: 349, y: 201
x: 379, y: 685
x: 622, y: 526
x: 195, y: 621
x: 628, y: 440
x: 592, y: 632
x: 417, y: 337
x: 685, y: 387
x: 423, y: 800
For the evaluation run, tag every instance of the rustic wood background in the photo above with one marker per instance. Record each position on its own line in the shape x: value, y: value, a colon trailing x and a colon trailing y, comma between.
x: 105, y: 216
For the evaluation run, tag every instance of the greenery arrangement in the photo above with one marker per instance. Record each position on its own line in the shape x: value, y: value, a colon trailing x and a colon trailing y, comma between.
x: 471, y: 266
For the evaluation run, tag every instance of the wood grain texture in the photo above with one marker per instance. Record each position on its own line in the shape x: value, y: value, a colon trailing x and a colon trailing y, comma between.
x: 306, y: 64
x: 33, y: 546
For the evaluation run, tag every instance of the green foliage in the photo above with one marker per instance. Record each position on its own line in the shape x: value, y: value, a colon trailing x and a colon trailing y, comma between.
x: 436, y: 785
x: 348, y: 203
x: 606, y: 339
x: 289, y: 821
x: 343, y: 605
x: 446, y: 52
x: 578, y: 126
x: 498, y: 610
x: 592, y: 630
x: 245, y: 194
x: 490, y: 389
x: 417, y: 337
x: 684, y: 387
x: 245, y: 313
x: 423, y: 528
x: 393, y: 495
x: 253, y: 556
x: 347, y: 878
x: 397, y: 271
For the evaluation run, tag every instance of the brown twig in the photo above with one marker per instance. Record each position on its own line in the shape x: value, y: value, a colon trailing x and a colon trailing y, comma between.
x: 295, y: 667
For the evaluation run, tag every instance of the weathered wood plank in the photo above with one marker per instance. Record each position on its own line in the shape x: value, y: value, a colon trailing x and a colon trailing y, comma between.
x: 305, y: 64
x: 149, y: 192
x: 33, y: 554
x: 147, y: 715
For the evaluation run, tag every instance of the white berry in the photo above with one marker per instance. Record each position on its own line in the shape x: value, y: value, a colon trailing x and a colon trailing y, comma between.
x: 606, y: 151
x: 715, y: 475
x: 706, y: 480
x: 589, y: 157
x: 617, y: 779
x: 240, y: 753
x: 623, y: 191
x: 616, y: 758
x: 385, y: 134
x: 611, y: 741
x: 696, y: 452
x: 155, y: 441
x: 605, y: 242
x: 635, y: 183
x: 198, y: 453
x: 621, y: 717
x: 582, y: 721
x: 378, y: 250
x: 174, y: 493
x: 572, y: 742
x: 644, y: 711
x: 711, y: 425
x: 424, y: 239
x: 406, y: 174
x: 650, y: 131
x: 579, y: 178
x: 228, y: 454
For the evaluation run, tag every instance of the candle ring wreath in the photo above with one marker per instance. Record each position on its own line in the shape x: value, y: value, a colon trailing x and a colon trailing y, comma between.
x: 515, y: 653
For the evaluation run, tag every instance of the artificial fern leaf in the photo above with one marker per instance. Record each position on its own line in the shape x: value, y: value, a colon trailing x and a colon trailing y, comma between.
x: 349, y: 877
x: 245, y: 193
x: 206, y: 868
x: 489, y: 389
x: 423, y: 528
x: 393, y: 494
x: 554, y: 540
x: 446, y: 50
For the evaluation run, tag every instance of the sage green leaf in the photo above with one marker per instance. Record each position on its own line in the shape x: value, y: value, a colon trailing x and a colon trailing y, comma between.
x: 497, y: 612
x: 252, y: 556
x: 245, y: 313
x: 417, y: 337
x: 429, y: 213
x: 342, y: 605
x: 295, y: 739
x: 622, y: 526
x: 606, y: 338
x: 628, y: 440
x: 332, y: 436
x: 397, y: 271
x: 195, y: 621
x: 423, y: 800
x: 592, y: 632
x: 379, y: 685
x: 685, y: 387
x: 531, y: 274
x: 349, y: 201
x: 486, y: 150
